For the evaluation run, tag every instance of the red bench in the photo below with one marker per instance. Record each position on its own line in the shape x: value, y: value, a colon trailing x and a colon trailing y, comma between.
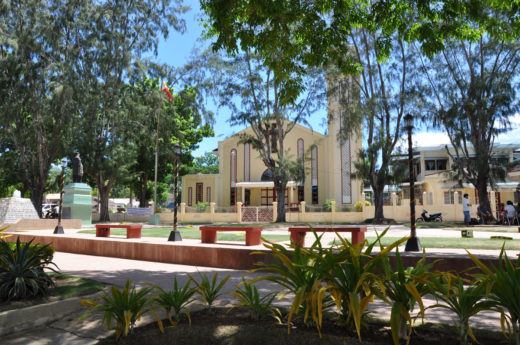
x: 208, y: 234
x: 132, y: 231
x: 298, y: 232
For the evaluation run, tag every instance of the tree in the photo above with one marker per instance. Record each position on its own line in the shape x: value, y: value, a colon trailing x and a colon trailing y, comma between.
x: 205, y: 164
x: 172, y: 123
x: 38, y: 47
x: 472, y: 95
x: 120, y: 33
x: 386, y: 94
x: 271, y: 106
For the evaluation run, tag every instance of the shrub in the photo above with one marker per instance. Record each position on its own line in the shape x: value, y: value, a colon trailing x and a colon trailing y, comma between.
x: 175, y: 302
x: 22, y: 273
x: 464, y: 301
x: 124, y: 307
x: 503, y: 281
x: 249, y: 297
x: 358, y: 206
x: 208, y: 290
x: 201, y: 206
x: 328, y: 205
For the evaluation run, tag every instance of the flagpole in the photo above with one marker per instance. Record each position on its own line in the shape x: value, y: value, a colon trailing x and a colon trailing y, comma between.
x: 156, y: 155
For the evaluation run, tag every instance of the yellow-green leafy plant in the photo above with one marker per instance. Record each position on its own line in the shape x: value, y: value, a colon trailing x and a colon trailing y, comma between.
x: 464, y: 301
x: 176, y: 301
x: 3, y: 227
x: 248, y: 296
x: 122, y: 308
x: 298, y: 271
x: 358, y: 206
x: 503, y: 287
x: 350, y: 273
x: 402, y: 290
x: 209, y: 290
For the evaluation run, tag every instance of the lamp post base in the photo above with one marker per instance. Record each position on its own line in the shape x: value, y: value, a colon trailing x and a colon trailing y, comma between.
x: 413, y: 245
x: 175, y: 236
x: 58, y: 230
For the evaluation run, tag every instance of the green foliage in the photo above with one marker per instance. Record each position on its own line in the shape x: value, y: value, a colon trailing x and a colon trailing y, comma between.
x: 206, y: 164
x: 402, y: 290
x: 209, y: 290
x: 47, y: 250
x: 201, y: 206
x: 122, y: 308
x: 328, y: 205
x: 22, y: 273
x: 503, y: 287
x: 249, y: 297
x: 176, y: 301
x: 464, y: 301
x: 298, y: 271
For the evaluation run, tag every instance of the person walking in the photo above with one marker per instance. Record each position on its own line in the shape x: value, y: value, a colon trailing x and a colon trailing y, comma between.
x: 466, y: 204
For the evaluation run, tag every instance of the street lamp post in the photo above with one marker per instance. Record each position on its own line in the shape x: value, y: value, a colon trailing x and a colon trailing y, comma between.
x: 175, y: 235
x: 413, y: 244
x: 59, y: 229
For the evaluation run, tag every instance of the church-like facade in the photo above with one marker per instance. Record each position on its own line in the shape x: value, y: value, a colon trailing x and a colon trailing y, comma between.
x: 328, y: 161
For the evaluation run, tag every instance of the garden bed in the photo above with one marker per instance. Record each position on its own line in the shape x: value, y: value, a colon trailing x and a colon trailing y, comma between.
x: 236, y: 327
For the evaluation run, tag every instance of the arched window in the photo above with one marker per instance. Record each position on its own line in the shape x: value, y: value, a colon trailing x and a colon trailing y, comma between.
x: 233, y: 177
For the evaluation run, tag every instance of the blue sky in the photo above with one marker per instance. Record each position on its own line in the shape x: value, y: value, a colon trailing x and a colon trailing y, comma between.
x: 176, y: 51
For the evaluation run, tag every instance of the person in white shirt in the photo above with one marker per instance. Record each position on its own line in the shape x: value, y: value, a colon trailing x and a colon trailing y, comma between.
x: 510, y: 212
x: 466, y: 204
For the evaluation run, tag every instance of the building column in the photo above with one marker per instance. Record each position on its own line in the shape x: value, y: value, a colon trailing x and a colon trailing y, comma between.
x: 275, y: 210
x: 290, y: 195
x: 212, y: 211
x: 243, y: 195
x: 332, y: 210
x: 239, y: 212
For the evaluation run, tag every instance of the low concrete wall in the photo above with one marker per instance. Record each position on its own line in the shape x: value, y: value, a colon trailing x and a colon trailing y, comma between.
x: 29, y: 318
x: 176, y: 252
x: 44, y: 224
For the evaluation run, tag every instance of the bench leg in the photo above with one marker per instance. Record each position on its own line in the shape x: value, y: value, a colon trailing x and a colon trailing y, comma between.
x: 133, y: 232
x: 253, y: 237
x: 298, y: 238
x: 208, y: 236
x: 102, y: 232
x: 358, y: 237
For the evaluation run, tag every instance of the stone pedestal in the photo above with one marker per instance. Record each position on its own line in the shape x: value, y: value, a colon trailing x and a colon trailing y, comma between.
x: 77, y: 202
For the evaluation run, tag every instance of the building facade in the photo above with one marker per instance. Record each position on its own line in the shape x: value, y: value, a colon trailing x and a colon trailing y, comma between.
x: 327, y: 159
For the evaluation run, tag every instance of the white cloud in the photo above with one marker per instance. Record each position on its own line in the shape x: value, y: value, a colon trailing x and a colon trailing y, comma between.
x: 422, y: 139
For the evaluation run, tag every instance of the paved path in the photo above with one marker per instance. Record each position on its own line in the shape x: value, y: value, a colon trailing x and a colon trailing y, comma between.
x: 116, y: 271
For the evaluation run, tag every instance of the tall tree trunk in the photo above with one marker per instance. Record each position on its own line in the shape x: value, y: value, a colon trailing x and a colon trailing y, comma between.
x: 37, y: 199
x: 483, y: 194
x: 280, y: 198
x: 378, y: 204
x: 142, y: 191
x: 104, y: 193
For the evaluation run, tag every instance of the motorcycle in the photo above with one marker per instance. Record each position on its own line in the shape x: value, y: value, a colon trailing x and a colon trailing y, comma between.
x: 425, y: 217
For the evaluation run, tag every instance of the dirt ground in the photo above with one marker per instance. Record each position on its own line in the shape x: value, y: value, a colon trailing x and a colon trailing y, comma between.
x: 237, y: 327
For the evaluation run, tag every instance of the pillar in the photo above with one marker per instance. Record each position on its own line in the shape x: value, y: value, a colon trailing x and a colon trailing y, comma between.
x: 275, y: 210
x: 239, y: 212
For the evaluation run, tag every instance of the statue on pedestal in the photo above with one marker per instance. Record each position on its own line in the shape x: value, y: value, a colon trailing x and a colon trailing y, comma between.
x: 77, y: 169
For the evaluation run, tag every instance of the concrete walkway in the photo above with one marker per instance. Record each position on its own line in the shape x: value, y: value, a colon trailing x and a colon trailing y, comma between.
x: 117, y: 271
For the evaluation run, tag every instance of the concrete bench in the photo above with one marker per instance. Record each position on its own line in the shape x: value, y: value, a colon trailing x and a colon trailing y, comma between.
x: 132, y: 231
x: 298, y: 232
x: 208, y: 234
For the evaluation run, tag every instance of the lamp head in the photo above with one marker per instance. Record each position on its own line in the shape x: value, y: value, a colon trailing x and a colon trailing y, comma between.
x: 64, y: 163
x: 408, y: 122
x: 177, y: 149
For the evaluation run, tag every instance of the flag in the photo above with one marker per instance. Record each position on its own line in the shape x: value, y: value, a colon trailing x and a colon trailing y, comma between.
x: 165, y: 89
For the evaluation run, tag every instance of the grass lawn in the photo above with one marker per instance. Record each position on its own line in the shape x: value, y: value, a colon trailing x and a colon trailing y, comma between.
x: 462, y: 243
x: 192, y: 233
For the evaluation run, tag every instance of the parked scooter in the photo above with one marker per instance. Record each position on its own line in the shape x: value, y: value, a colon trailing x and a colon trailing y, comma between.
x: 425, y: 217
